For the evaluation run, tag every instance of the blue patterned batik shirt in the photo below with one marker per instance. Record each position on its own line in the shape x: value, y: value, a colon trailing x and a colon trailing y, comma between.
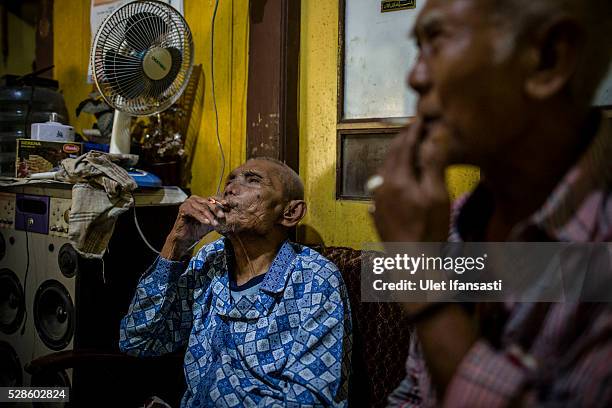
x: 288, y: 345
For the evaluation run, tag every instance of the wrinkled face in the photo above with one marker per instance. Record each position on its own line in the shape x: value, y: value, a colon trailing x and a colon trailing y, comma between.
x: 468, y: 79
x: 254, y: 192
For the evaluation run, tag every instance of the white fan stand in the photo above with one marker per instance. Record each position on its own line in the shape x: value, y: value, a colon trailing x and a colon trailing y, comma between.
x: 120, y: 136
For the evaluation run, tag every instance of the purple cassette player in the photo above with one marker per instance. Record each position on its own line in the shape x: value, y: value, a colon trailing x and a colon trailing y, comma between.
x: 32, y: 213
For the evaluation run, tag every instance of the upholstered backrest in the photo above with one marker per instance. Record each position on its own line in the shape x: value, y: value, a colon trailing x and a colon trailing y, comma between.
x: 381, y: 335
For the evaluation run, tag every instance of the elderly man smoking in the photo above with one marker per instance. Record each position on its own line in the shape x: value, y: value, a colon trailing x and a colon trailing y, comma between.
x: 266, y: 322
x: 506, y: 86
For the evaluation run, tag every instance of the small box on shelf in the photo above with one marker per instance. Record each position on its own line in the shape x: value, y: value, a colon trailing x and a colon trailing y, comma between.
x: 38, y: 156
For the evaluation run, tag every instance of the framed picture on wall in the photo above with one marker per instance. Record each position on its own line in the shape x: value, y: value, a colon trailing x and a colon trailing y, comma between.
x: 603, y: 98
x: 375, y: 55
x: 361, y: 153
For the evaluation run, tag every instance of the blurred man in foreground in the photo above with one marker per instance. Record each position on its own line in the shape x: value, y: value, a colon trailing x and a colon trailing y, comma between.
x: 506, y: 86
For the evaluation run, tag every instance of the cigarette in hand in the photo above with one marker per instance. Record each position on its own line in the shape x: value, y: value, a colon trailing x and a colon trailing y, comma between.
x: 213, y: 201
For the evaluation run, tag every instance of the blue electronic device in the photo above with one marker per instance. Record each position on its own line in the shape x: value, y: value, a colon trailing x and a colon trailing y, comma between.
x: 144, y: 179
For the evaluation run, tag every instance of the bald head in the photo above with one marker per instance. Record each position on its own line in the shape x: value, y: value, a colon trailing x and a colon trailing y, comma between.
x: 592, y: 36
x: 293, y: 188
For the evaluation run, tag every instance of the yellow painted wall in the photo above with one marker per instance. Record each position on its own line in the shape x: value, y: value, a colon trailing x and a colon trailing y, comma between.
x: 71, y: 55
x: 21, y: 47
x: 71, y: 42
x: 329, y: 220
x: 231, y: 72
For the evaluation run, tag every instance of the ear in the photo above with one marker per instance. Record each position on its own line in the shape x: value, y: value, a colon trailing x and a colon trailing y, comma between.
x: 553, y: 57
x: 292, y: 214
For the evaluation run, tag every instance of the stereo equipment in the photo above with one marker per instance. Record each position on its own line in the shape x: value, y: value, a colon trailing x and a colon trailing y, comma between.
x: 52, y: 299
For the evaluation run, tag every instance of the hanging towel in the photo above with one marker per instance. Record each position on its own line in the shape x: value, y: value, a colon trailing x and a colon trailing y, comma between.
x: 102, y: 191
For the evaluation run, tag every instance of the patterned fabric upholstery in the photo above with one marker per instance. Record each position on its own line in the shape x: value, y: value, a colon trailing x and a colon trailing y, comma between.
x: 381, y: 335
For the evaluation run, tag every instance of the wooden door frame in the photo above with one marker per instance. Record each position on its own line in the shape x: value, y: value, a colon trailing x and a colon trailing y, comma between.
x: 273, y: 80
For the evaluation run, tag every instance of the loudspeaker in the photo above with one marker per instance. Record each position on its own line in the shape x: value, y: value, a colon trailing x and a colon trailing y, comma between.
x: 15, y: 345
x: 52, y: 299
x: 38, y: 286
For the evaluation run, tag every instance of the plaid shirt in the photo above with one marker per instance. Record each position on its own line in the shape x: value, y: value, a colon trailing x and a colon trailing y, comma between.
x: 556, y: 354
x: 286, y: 346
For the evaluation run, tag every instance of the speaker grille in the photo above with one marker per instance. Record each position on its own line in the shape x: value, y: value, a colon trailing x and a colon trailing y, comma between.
x: 49, y: 379
x: 11, y: 302
x: 54, y: 315
x: 10, y: 374
x: 68, y: 261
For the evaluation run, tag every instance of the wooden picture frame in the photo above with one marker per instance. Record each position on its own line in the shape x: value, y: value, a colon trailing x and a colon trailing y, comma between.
x: 373, y: 62
x: 367, y: 147
x: 358, y: 136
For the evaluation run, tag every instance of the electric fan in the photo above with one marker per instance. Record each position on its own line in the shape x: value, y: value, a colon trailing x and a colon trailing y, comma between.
x: 142, y: 58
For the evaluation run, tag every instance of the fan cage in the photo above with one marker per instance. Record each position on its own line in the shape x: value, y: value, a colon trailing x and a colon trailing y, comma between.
x: 149, y: 33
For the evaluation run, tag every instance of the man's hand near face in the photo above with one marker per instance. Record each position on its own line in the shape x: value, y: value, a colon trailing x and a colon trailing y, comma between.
x: 197, y: 217
x: 412, y: 204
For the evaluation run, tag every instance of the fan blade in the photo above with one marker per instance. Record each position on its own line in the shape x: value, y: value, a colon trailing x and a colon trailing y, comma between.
x: 158, y: 87
x: 124, y: 74
x: 143, y: 29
